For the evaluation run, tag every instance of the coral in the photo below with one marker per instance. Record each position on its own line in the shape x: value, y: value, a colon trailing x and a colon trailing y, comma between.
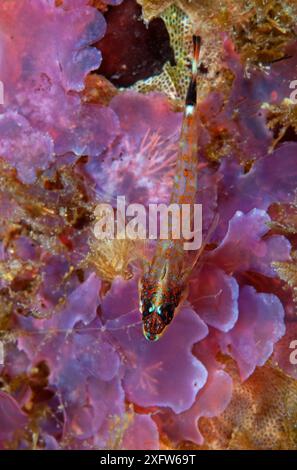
x: 268, y: 26
x: 281, y: 118
x: 37, y: 85
x: 23, y: 146
x: 262, y: 186
x: 98, y: 90
x: 252, y: 339
x: 43, y: 222
x: 144, y: 152
x: 146, y: 47
x: 172, y: 80
x: 284, y: 220
x: 111, y: 258
x: 287, y: 271
x: 11, y: 416
x: 260, y: 31
x: 274, y: 18
x: 83, y: 27
x: 258, y: 417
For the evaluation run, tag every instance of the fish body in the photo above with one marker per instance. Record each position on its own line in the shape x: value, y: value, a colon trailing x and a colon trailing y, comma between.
x: 163, y: 287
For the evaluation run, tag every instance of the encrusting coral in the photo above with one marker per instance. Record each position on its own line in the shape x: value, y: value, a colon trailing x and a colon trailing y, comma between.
x: 258, y: 417
x: 173, y: 80
x: 260, y: 30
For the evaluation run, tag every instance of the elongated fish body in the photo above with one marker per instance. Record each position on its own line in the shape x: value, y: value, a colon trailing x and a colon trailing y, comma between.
x: 164, y: 286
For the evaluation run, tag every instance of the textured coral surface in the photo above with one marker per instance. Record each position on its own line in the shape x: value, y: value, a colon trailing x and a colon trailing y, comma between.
x: 77, y: 372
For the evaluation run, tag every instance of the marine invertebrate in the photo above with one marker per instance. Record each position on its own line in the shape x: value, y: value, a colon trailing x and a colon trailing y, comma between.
x: 261, y: 32
x: 173, y: 80
x: 257, y: 417
x: 36, y: 88
x: 11, y: 416
x: 144, y: 153
x: 281, y: 118
x: 147, y: 46
x: 112, y: 258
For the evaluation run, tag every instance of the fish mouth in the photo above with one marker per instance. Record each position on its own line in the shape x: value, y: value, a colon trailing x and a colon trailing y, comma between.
x: 150, y: 336
x: 153, y: 326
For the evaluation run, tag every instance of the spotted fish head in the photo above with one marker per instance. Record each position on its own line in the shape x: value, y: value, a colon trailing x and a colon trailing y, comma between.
x: 156, y: 318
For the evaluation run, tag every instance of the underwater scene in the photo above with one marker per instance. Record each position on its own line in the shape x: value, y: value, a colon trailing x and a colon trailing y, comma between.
x: 148, y: 225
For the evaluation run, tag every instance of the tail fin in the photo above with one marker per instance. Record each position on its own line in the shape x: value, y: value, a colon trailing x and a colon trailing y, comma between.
x: 192, y: 92
x: 196, y: 53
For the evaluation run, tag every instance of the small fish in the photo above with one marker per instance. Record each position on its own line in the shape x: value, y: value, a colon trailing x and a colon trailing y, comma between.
x: 163, y: 288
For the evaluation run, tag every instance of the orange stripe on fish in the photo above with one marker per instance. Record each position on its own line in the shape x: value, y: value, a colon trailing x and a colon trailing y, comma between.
x: 163, y: 287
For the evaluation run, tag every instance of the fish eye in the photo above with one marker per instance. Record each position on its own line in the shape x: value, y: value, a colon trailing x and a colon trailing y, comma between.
x: 166, y: 312
x: 146, y: 307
